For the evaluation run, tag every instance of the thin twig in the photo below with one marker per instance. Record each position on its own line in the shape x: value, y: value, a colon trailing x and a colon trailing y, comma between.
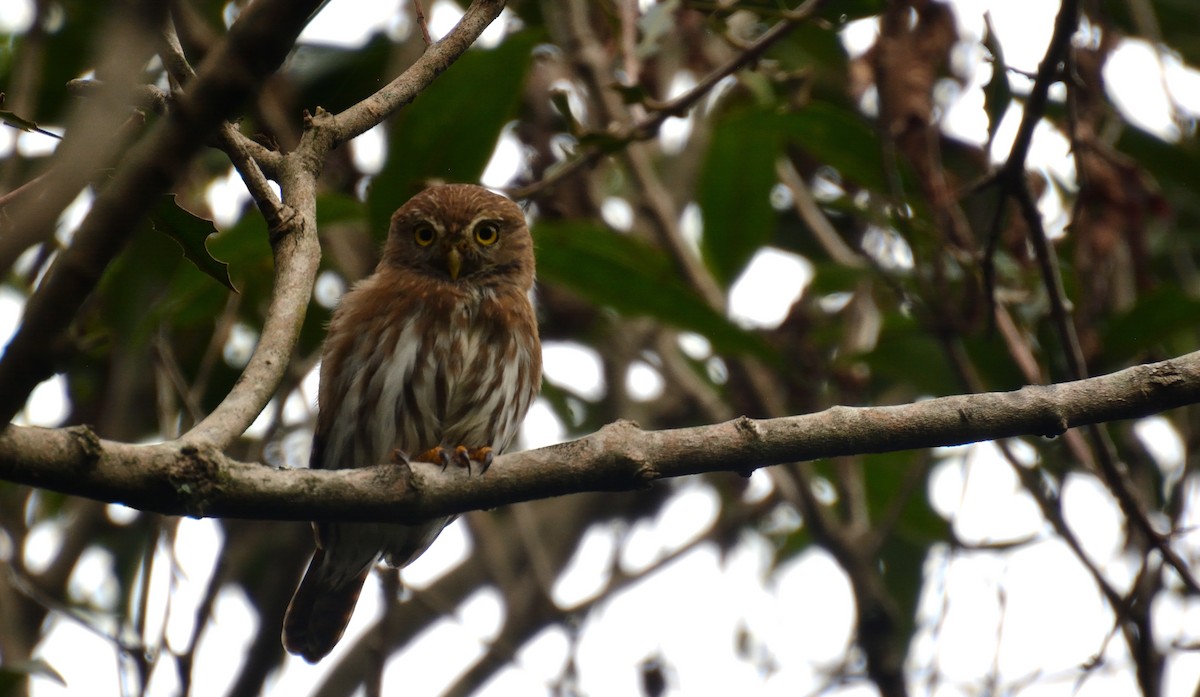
x: 648, y: 127
x: 231, y: 140
x: 30, y: 590
x: 810, y: 212
x: 1011, y: 179
x: 419, y: 15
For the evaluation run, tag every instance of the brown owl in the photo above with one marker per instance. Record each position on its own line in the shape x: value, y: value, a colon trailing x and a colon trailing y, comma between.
x: 436, y: 356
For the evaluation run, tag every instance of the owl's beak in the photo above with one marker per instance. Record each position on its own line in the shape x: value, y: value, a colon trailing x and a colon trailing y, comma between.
x: 453, y: 262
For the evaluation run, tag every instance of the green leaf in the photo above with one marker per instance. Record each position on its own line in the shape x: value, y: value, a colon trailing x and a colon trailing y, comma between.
x: 449, y: 132
x: 816, y: 50
x: 1172, y: 164
x: 908, y: 358
x: 337, y: 77
x: 997, y: 95
x: 193, y: 299
x: 903, y: 565
x: 191, y: 232
x: 66, y: 52
x: 338, y: 208
x: 1156, y: 317
x: 634, y: 279
x: 902, y: 555
x: 841, y: 139
x: 734, y: 191
x: 886, y: 476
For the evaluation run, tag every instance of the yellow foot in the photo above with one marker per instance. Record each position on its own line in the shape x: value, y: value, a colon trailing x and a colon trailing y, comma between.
x: 461, y: 455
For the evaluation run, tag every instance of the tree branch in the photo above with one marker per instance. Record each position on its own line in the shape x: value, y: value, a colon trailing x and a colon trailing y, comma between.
x: 371, y: 111
x: 648, y: 126
x: 185, y: 480
x: 256, y: 45
x: 297, y: 253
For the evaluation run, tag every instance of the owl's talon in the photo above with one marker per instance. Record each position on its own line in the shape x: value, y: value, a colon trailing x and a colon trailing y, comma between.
x: 435, y: 456
x: 461, y: 455
x: 483, y: 456
x: 399, y: 457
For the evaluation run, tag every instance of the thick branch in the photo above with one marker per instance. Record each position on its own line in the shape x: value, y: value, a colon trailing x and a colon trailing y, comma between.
x: 177, y: 480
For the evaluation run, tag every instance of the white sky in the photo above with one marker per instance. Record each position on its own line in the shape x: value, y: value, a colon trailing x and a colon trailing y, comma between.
x: 1037, y: 598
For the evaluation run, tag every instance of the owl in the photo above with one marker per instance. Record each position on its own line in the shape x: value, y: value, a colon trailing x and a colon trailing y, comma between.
x: 435, y: 357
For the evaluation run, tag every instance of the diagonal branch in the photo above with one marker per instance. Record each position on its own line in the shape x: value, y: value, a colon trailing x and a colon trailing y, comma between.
x: 175, y: 480
x: 1013, y: 183
x: 293, y: 236
x: 439, y: 56
x: 648, y: 126
x: 255, y: 47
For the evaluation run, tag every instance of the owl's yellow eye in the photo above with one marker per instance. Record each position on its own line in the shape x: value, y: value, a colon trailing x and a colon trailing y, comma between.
x: 486, y: 233
x: 424, y: 233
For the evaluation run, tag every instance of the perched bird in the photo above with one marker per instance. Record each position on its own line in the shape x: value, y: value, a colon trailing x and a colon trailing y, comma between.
x: 435, y: 356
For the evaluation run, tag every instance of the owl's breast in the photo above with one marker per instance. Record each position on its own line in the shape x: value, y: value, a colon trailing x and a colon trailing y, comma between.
x: 488, y: 363
x: 447, y: 370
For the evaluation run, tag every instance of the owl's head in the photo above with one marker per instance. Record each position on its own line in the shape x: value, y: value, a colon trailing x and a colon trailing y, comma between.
x: 461, y: 233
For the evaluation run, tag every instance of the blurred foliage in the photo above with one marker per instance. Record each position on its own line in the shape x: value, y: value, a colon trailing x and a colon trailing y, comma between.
x: 904, y: 219
x: 449, y: 133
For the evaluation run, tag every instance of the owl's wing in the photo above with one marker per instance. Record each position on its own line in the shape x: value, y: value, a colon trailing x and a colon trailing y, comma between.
x: 373, y: 356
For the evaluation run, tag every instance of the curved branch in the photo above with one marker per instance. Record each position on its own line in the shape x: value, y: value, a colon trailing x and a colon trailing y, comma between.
x: 256, y: 45
x: 185, y: 480
x: 293, y: 227
x: 297, y: 254
x: 371, y: 111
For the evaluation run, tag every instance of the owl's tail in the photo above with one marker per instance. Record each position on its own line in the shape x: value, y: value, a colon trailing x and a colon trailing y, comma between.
x: 320, y: 610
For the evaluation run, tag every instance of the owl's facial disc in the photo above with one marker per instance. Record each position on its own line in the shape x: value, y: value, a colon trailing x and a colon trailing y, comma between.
x: 464, y: 249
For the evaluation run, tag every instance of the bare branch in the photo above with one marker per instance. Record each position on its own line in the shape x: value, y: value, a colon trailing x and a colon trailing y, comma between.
x: 297, y: 251
x: 371, y: 111
x: 1047, y: 74
x: 255, y: 47
x: 184, y: 480
x: 649, y: 126
x: 297, y: 256
x: 236, y: 145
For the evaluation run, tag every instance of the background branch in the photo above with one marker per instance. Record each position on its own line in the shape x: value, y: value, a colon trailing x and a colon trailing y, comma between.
x: 256, y: 45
